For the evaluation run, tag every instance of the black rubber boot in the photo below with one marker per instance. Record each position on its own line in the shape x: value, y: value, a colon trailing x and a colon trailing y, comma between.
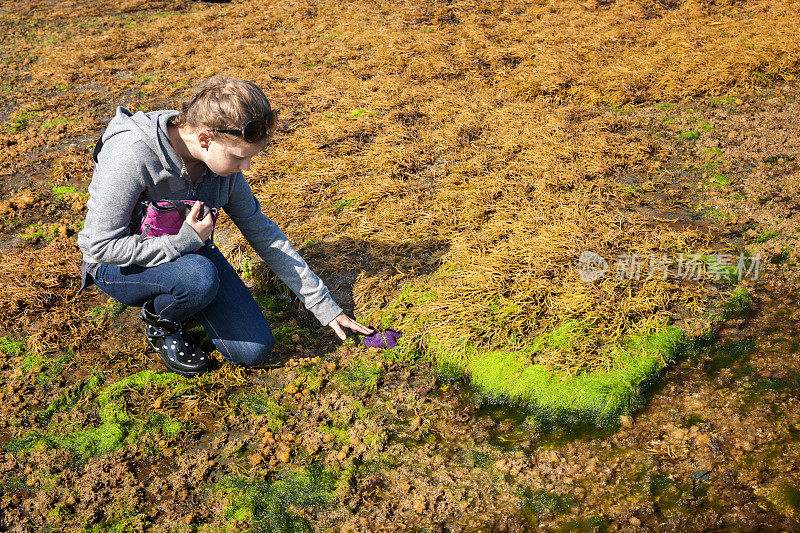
x: 173, y: 345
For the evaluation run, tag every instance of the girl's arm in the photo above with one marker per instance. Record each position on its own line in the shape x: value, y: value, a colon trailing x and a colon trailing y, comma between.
x: 272, y: 245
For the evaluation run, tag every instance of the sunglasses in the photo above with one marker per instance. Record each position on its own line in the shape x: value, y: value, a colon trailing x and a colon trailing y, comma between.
x: 255, y: 130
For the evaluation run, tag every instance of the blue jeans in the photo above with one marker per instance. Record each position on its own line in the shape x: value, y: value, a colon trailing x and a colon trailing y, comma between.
x: 201, y: 284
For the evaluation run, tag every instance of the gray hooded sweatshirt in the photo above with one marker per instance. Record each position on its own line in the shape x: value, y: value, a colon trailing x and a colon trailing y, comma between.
x: 136, y: 158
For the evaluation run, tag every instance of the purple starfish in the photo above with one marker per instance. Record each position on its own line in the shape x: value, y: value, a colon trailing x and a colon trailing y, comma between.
x: 387, y: 339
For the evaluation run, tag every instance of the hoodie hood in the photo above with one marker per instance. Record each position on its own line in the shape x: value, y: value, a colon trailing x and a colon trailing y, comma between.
x: 150, y: 128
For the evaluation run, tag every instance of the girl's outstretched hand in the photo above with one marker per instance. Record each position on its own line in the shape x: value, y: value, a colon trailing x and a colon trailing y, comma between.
x: 345, y: 321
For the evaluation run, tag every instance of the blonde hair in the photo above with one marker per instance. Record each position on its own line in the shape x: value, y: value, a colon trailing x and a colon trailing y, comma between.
x: 223, y: 103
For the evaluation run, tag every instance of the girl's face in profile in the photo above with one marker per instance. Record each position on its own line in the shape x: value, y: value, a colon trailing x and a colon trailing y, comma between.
x: 229, y: 157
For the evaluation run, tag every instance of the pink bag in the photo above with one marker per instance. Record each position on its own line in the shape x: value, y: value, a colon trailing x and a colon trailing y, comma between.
x: 166, y: 217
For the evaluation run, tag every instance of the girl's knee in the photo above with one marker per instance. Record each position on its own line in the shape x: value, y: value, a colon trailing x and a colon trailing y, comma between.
x: 199, y: 279
x: 250, y: 353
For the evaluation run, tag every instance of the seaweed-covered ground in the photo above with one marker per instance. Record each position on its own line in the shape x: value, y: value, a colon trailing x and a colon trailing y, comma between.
x: 95, y: 436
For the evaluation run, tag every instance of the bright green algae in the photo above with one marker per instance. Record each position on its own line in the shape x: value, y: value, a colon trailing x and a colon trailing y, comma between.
x: 267, y: 503
x: 603, y: 396
x: 116, y: 427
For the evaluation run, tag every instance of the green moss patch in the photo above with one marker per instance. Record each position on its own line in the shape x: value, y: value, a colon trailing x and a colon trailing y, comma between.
x: 120, y: 519
x: 109, y: 311
x: 266, y: 504
x: 597, y: 396
x: 766, y: 236
x: 115, y: 426
x: 261, y: 405
x: 70, y: 397
x: 290, y: 335
x: 786, y: 499
x: 60, y: 191
x: 11, y: 347
x: 541, y: 501
x: 737, y: 304
x: 359, y: 376
x: 46, y: 368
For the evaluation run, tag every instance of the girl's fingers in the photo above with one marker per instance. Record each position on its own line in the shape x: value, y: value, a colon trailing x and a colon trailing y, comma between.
x: 359, y: 327
x: 203, y: 227
x: 336, y: 328
x: 352, y: 324
x: 344, y: 320
x: 195, y: 211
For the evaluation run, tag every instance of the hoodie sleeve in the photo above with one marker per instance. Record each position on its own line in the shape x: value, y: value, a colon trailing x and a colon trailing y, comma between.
x: 119, y: 180
x: 272, y: 245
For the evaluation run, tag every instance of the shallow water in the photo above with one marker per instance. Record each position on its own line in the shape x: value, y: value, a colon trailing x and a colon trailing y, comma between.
x: 720, y: 425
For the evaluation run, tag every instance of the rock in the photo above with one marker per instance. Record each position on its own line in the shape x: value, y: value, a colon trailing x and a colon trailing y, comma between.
x: 283, y: 455
x: 343, y: 453
x: 626, y: 421
x: 419, y: 503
